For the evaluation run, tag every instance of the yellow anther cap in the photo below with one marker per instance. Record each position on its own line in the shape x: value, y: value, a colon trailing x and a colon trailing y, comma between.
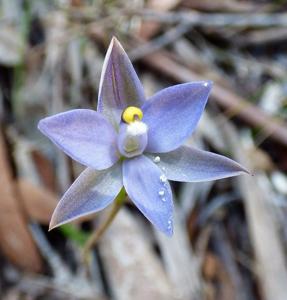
x: 131, y: 114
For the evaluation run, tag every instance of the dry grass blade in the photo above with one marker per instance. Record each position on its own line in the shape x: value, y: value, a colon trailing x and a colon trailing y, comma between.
x: 132, y: 267
x: 182, y: 265
x: 270, y: 259
x: 15, y: 240
x: 167, y: 38
x: 221, y: 5
x: 11, y: 46
x: 263, y: 37
x: 235, y: 20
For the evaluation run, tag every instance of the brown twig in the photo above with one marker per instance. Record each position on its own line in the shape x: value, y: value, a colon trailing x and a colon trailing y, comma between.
x: 159, y: 42
x: 216, y: 19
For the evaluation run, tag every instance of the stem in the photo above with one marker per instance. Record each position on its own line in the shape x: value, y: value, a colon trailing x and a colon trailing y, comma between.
x: 94, y: 238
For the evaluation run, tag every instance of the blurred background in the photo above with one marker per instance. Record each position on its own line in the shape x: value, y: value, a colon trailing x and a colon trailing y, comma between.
x: 230, y: 236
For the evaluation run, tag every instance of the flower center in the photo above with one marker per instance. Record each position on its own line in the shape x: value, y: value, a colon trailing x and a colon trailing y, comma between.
x: 132, y: 138
x: 131, y: 114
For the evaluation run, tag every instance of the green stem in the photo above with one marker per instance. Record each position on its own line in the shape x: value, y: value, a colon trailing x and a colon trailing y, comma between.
x: 94, y: 238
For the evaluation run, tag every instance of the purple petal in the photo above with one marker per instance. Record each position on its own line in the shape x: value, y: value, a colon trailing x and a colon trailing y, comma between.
x: 173, y: 113
x: 119, y: 85
x: 83, y: 134
x: 144, y: 185
x: 92, y: 191
x: 192, y: 165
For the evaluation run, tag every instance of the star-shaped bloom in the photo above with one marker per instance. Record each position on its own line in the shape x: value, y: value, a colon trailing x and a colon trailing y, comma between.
x: 135, y: 143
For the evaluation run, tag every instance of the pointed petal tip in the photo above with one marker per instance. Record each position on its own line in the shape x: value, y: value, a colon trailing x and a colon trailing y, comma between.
x: 118, y: 46
x: 40, y: 124
x: 116, y: 43
x: 114, y: 39
x: 43, y: 124
x: 51, y: 227
x: 243, y: 170
x: 248, y: 172
x: 56, y: 222
x: 112, y: 42
x: 207, y: 84
x: 110, y: 49
x: 53, y: 224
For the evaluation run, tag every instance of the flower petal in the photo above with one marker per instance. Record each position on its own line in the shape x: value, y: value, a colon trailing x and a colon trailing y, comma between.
x: 192, y: 165
x: 173, y: 113
x: 92, y: 191
x: 152, y: 196
x: 83, y: 134
x: 120, y: 86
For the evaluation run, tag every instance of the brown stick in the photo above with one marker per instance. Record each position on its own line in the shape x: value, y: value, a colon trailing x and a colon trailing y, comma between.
x: 217, y: 20
x: 15, y: 239
x: 38, y: 202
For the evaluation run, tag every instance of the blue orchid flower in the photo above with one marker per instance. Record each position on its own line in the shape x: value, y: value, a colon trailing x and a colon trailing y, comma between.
x: 133, y: 143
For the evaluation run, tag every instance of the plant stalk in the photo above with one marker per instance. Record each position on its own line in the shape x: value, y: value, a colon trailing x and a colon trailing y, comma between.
x: 94, y: 238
